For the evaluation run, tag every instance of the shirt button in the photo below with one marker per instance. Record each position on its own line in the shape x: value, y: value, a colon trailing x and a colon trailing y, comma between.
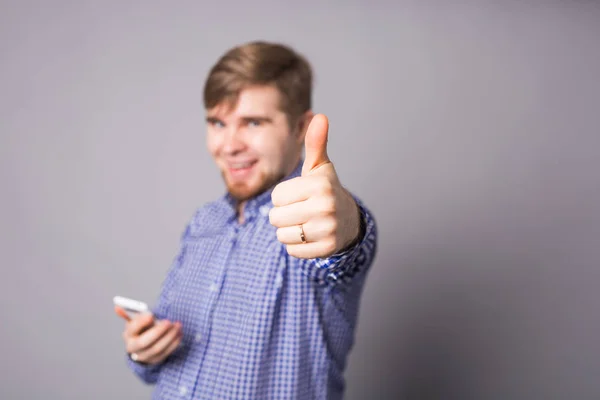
x: 265, y: 210
x: 278, y: 280
x: 182, y: 390
x: 213, y: 287
x: 198, y: 337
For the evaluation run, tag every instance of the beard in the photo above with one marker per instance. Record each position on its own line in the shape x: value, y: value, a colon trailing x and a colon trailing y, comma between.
x: 244, y: 191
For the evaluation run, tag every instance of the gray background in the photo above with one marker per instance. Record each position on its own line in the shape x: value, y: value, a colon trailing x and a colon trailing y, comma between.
x: 470, y: 129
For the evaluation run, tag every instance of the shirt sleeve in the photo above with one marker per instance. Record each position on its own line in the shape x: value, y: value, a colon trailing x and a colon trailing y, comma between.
x: 149, y: 373
x: 342, y: 267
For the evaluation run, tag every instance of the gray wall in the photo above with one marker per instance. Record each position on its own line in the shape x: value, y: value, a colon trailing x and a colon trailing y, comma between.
x: 471, y: 130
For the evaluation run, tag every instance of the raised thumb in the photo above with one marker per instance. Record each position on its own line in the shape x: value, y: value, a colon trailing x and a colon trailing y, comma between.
x: 315, y: 144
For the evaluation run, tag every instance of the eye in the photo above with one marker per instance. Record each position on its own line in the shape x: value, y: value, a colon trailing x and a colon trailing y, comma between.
x: 254, y: 123
x: 216, y: 123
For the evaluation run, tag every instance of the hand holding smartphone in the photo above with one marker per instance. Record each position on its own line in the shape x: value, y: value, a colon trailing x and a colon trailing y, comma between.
x: 146, y: 340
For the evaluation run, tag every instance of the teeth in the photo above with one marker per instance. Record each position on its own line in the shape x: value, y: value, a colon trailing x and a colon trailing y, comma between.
x: 241, y: 165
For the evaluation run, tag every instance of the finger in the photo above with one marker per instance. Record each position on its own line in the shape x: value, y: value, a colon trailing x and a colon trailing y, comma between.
x: 315, y: 144
x: 168, y: 351
x: 135, y: 344
x: 320, y: 249
x: 314, y: 230
x: 149, y: 337
x: 320, y: 204
x: 292, y: 214
x: 139, y: 323
x: 290, y: 234
x: 160, y: 350
x: 296, y: 189
x: 172, y: 347
x: 122, y: 313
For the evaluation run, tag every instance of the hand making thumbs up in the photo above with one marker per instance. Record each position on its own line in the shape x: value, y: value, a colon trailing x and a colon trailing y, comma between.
x: 314, y: 214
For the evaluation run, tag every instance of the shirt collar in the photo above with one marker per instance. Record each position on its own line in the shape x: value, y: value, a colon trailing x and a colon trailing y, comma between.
x: 261, y: 202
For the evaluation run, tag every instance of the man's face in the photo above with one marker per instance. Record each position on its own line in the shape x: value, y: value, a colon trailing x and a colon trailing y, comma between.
x: 251, y: 142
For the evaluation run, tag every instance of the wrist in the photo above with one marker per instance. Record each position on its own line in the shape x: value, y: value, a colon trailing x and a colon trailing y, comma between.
x: 358, y: 229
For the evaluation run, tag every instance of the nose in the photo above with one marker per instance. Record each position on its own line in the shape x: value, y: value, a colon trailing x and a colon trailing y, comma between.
x: 234, y: 142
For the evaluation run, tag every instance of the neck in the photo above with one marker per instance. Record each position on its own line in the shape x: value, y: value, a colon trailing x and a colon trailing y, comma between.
x: 240, y: 211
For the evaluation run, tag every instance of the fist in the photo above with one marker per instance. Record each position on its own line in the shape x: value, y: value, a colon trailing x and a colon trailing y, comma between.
x: 314, y: 215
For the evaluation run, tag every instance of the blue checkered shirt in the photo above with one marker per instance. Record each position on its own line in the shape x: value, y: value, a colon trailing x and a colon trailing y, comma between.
x: 257, y: 322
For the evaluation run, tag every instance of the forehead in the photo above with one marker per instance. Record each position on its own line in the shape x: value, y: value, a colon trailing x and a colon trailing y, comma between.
x: 253, y: 101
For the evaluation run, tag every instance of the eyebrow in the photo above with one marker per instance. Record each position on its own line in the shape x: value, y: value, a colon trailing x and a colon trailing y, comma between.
x: 245, y: 118
x: 212, y: 119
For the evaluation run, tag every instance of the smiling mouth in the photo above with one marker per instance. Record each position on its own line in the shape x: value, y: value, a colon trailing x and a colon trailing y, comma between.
x: 241, y: 165
x: 239, y: 171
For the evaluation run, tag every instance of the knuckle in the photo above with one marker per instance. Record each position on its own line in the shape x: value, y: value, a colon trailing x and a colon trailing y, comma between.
x: 280, y: 234
x: 148, y: 319
x: 273, y: 216
x: 331, y: 226
x: 328, y: 205
x: 275, y: 197
x: 148, y: 338
x: 278, y: 195
x: 143, y: 342
x: 325, y: 186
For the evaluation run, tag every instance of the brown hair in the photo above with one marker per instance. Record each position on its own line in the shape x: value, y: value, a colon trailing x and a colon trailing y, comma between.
x: 261, y: 63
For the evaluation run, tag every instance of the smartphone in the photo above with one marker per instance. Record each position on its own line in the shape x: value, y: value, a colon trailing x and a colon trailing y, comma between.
x: 131, y: 306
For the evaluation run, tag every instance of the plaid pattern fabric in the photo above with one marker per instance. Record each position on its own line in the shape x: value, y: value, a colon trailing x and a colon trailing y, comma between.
x: 257, y: 322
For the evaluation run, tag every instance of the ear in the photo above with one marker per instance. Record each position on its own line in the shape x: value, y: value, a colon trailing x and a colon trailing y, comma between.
x: 302, y: 125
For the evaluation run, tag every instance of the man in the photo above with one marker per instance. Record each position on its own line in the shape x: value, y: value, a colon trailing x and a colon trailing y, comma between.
x: 262, y: 299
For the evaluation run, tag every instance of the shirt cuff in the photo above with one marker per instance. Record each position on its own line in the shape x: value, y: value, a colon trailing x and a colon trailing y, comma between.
x: 342, y: 267
x: 147, y: 373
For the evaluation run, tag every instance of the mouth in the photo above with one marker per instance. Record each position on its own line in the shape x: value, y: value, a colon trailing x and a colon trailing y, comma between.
x: 240, y: 170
